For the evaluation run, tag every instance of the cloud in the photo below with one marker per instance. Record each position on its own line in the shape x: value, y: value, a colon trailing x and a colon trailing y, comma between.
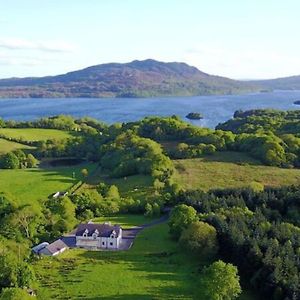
x: 47, y: 46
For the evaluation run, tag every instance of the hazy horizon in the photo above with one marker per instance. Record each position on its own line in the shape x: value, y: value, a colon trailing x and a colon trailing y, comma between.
x: 239, y: 40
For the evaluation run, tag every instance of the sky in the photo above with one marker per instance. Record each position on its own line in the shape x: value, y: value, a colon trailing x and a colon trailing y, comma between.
x: 254, y: 39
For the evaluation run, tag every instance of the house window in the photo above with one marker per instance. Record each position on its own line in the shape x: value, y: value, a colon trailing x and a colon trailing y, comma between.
x: 103, y: 243
x: 94, y: 236
x: 111, y: 243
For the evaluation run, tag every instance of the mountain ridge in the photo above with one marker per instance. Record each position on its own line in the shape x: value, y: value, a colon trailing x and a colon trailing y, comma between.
x: 139, y: 78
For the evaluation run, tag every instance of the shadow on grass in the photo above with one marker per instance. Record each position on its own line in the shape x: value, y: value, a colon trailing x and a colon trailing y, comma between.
x: 176, y: 279
x: 122, y: 297
x: 231, y: 157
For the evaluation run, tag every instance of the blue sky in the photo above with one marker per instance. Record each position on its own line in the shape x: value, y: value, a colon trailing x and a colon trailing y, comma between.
x: 233, y: 38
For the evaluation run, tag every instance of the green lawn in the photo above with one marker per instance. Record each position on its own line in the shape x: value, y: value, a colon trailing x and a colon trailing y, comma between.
x: 34, y: 134
x: 154, y: 268
x: 8, y: 146
x: 30, y: 185
x: 230, y: 169
x: 126, y: 221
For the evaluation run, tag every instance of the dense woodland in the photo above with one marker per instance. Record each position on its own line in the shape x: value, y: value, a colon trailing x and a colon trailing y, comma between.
x: 256, y: 229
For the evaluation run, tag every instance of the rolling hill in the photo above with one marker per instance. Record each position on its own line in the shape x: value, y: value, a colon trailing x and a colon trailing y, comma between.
x: 147, y: 78
x: 285, y: 83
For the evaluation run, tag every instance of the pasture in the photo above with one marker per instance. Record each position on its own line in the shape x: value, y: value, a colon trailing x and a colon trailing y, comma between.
x: 34, y: 134
x: 230, y: 170
x: 8, y: 146
x: 30, y: 185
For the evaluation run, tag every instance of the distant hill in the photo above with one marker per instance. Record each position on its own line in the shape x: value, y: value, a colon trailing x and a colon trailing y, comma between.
x: 147, y: 78
x: 285, y: 83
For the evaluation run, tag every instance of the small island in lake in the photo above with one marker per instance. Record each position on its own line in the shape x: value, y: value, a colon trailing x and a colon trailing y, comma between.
x: 194, y: 116
x: 297, y: 102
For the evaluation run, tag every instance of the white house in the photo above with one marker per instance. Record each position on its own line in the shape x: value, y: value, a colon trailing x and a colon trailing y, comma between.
x: 98, y: 236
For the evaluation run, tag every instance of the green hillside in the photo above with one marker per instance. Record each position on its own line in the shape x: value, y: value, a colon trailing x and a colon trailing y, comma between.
x: 8, y: 146
x: 230, y: 170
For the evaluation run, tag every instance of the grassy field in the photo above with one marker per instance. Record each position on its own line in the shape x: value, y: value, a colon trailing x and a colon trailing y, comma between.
x: 154, y: 268
x: 143, y: 272
x: 34, y: 134
x: 126, y: 221
x: 230, y: 169
x: 29, y: 185
x: 136, y: 186
x: 8, y: 146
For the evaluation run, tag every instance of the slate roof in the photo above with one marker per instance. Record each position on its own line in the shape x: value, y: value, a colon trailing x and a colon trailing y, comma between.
x: 56, y: 246
x: 104, y: 230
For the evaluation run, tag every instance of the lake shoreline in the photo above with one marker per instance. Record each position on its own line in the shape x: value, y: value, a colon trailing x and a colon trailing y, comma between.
x: 215, y: 109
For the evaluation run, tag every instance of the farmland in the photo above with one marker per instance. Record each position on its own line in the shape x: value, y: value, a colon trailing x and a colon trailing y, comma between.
x: 34, y: 134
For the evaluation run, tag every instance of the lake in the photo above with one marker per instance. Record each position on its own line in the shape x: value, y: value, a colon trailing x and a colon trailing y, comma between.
x: 215, y: 109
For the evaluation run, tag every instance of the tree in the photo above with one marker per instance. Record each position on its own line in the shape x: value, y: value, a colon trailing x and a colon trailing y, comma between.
x: 25, y: 274
x: 31, y: 161
x: 158, y: 185
x: 102, y: 189
x: 10, y: 161
x: 87, y: 215
x: 256, y: 187
x: 21, y: 157
x: 14, y: 294
x: 27, y: 218
x: 220, y: 281
x: 148, y: 210
x: 8, y: 267
x: 67, y: 212
x: 155, y: 209
x: 84, y: 173
x: 181, y: 217
x: 200, y: 238
x: 113, y: 193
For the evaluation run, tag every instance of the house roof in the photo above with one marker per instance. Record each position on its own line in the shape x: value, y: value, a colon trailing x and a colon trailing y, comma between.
x: 104, y: 230
x: 39, y: 247
x: 56, y: 246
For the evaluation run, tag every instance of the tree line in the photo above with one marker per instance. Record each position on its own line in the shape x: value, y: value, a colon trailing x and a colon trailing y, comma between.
x: 256, y: 231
